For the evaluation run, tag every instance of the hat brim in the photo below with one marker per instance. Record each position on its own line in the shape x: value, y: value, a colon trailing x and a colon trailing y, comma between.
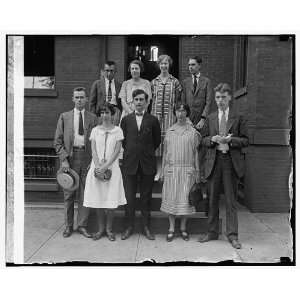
x: 75, y: 185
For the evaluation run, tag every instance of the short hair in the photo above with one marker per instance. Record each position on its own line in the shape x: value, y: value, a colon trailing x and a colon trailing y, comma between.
x: 139, y: 92
x: 180, y: 105
x: 197, y: 58
x: 223, y: 88
x: 137, y: 62
x: 106, y: 107
x: 165, y: 56
x: 110, y: 63
x: 80, y: 89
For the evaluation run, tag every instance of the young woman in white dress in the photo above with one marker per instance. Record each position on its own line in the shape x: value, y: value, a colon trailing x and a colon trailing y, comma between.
x: 105, y: 195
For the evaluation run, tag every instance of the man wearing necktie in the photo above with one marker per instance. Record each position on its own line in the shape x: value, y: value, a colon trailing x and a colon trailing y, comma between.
x: 72, y: 145
x: 142, y: 136
x: 224, y: 135
x: 106, y: 89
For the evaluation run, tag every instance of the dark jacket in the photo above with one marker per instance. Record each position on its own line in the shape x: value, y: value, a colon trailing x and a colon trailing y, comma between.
x: 98, y: 95
x: 236, y: 125
x: 140, y: 145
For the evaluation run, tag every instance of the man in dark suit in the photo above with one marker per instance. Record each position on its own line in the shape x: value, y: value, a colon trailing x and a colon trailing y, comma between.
x: 106, y: 89
x: 196, y: 92
x: 142, y: 136
x: 224, y: 135
x: 72, y: 145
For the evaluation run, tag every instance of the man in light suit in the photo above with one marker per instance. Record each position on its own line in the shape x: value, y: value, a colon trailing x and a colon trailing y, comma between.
x: 142, y: 136
x: 224, y: 135
x: 73, y: 147
x: 106, y: 89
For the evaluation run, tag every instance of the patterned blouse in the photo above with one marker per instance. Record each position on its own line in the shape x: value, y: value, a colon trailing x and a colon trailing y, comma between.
x: 165, y: 95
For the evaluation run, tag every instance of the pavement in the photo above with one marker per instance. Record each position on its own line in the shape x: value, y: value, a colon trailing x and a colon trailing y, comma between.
x: 265, y: 238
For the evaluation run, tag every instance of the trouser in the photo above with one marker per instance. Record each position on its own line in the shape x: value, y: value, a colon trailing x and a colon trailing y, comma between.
x: 223, y: 173
x: 130, y: 186
x: 78, y: 162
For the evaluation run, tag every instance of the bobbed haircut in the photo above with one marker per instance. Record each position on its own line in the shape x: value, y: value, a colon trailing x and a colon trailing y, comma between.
x: 80, y: 89
x: 136, y: 62
x: 139, y: 92
x: 163, y: 57
x: 106, y: 107
x: 197, y: 58
x: 223, y: 88
x: 180, y: 105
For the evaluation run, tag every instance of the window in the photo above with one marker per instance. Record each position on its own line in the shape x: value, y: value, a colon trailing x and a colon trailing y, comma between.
x: 241, y: 62
x: 39, y: 62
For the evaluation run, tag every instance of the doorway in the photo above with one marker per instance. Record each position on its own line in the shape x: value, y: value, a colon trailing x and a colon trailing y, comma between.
x: 148, y: 48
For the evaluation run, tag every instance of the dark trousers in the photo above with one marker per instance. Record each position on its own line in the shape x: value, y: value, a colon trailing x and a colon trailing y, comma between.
x: 78, y: 162
x: 130, y: 186
x: 223, y: 173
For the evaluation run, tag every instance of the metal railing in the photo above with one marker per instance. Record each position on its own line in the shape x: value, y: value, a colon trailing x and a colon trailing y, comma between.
x: 40, y: 166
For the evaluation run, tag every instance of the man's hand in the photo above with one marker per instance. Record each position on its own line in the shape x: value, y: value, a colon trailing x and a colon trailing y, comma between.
x: 225, y: 139
x: 200, y: 124
x: 65, y: 165
x: 215, y: 138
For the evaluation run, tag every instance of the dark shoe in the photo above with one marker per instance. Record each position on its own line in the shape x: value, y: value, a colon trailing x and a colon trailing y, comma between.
x: 236, y: 244
x: 127, y: 233
x: 68, y: 231
x: 83, y: 231
x: 98, y: 235
x: 147, y: 233
x: 185, y: 236
x: 111, y: 236
x: 170, y: 236
x: 207, y: 238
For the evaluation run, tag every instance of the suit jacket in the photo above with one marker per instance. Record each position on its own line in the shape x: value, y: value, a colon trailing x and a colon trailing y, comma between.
x: 200, y: 101
x: 236, y: 125
x: 98, y: 95
x: 64, y: 135
x: 140, y: 145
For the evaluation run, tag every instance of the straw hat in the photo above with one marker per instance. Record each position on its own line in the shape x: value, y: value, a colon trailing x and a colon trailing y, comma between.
x: 68, y: 180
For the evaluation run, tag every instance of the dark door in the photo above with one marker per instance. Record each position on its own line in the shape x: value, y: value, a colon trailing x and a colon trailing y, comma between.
x: 148, y: 47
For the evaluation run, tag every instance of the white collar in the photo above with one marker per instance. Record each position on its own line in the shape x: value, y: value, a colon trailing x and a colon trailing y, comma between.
x: 107, y: 80
x: 77, y: 111
x: 143, y: 112
x: 226, y: 111
x: 196, y: 75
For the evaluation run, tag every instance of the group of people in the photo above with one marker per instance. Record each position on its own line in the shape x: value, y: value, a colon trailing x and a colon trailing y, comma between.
x: 162, y: 130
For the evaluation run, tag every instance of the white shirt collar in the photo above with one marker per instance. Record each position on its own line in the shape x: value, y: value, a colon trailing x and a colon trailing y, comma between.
x: 143, y: 112
x: 107, y: 80
x: 77, y: 111
x: 221, y: 112
x: 197, y: 75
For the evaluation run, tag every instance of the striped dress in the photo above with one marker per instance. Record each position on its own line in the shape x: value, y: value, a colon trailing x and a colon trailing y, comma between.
x: 164, y: 96
x: 180, y: 166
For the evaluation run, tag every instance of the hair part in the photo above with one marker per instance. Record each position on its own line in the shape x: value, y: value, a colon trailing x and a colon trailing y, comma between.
x: 137, y: 62
x: 80, y: 89
x: 107, y: 107
x: 139, y: 92
x: 223, y: 88
x: 180, y: 105
x: 163, y: 57
x: 197, y: 58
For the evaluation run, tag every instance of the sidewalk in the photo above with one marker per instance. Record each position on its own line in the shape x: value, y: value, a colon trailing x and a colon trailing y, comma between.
x: 265, y: 237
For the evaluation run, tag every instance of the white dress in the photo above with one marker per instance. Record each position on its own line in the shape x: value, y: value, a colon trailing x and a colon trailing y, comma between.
x: 105, y: 194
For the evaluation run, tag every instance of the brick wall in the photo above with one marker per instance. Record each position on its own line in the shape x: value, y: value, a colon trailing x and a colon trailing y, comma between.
x: 77, y: 63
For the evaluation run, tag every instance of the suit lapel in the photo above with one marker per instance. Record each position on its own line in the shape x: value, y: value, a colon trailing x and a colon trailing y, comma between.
x: 133, y: 121
x: 190, y: 84
x: 71, y: 124
x: 231, y: 119
x: 200, y: 83
x: 102, y: 87
x: 143, y: 121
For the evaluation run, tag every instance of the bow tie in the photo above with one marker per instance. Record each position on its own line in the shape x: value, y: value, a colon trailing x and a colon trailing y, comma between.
x: 138, y: 114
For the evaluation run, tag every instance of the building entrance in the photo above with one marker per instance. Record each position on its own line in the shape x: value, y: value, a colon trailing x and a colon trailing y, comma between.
x: 147, y: 48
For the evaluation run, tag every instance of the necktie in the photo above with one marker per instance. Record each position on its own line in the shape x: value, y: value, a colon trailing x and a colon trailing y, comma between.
x: 222, y: 128
x: 109, y: 93
x: 138, y: 114
x: 195, y: 84
x: 80, y: 127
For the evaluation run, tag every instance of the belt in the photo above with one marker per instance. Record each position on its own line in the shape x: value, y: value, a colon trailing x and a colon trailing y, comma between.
x: 78, y: 148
